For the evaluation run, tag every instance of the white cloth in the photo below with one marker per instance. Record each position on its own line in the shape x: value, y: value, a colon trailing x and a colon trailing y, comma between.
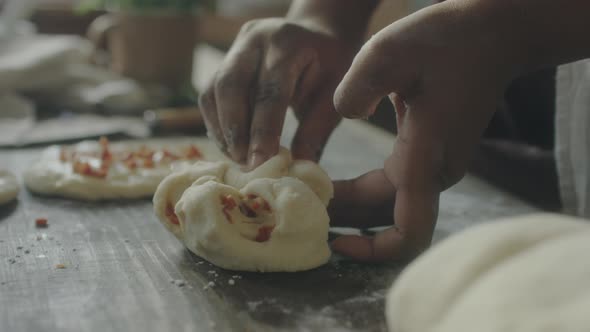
x: 572, y: 142
x: 57, y: 70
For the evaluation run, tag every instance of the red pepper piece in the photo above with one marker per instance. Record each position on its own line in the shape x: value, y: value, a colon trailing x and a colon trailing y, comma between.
x: 229, y: 204
x: 264, y: 233
x: 169, y: 155
x: 171, y: 215
x: 41, y: 222
x: 131, y: 164
x: 193, y: 153
x: 228, y: 201
x: 148, y: 163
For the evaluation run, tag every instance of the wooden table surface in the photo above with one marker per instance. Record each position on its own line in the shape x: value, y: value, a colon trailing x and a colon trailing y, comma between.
x: 125, y: 272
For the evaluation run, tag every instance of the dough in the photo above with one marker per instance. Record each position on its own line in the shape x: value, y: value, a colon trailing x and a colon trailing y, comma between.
x: 524, y: 274
x: 271, y: 219
x: 93, y: 170
x: 8, y: 187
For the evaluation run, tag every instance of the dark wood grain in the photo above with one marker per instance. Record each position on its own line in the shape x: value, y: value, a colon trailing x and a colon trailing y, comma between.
x: 120, y: 263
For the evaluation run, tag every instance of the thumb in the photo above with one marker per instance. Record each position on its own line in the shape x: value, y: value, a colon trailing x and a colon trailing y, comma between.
x: 379, y: 68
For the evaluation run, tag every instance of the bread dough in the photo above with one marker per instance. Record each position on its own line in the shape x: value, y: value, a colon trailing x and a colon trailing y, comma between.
x: 8, y: 187
x: 271, y: 219
x: 522, y: 274
x: 134, y: 168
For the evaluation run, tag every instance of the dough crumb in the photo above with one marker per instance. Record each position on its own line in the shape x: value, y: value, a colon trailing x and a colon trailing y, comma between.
x: 211, y: 284
x: 231, y: 282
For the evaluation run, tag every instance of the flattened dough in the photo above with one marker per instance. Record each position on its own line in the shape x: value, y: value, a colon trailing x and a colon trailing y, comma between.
x: 271, y: 219
x: 8, y: 187
x: 523, y: 274
x: 55, y: 176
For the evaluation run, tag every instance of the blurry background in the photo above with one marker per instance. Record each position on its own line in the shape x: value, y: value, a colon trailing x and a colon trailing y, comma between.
x: 219, y: 28
x: 140, y: 67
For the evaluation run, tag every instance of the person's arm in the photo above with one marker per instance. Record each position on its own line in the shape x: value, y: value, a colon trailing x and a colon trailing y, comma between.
x: 444, y: 67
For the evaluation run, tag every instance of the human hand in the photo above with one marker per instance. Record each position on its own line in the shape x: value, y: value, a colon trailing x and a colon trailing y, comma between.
x: 444, y: 68
x: 273, y: 64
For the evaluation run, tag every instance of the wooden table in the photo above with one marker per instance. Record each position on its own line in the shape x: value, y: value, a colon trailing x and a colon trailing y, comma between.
x: 125, y: 272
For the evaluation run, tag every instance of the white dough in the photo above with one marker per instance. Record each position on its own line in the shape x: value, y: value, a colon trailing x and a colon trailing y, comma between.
x: 51, y: 176
x: 524, y: 274
x: 297, y: 193
x: 8, y: 187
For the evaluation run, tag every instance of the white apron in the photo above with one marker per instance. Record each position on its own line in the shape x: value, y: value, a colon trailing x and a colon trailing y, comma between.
x: 572, y: 136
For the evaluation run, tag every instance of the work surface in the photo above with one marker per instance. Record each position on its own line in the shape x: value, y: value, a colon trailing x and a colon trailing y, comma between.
x: 125, y: 272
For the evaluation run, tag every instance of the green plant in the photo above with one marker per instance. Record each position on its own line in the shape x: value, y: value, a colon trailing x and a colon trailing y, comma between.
x: 176, y: 5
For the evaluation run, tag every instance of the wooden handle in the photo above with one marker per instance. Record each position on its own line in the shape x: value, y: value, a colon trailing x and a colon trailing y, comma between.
x: 170, y: 119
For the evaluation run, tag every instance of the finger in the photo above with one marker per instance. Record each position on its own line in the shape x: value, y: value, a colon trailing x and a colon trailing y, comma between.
x: 366, y: 201
x: 369, y: 249
x: 233, y: 85
x: 315, y: 127
x: 411, y: 235
x: 208, y: 109
x: 281, y: 71
x: 375, y: 72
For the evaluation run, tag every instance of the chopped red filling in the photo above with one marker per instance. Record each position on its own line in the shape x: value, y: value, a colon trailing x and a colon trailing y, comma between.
x: 228, y: 201
x: 131, y: 163
x: 145, y: 152
x: 142, y: 157
x: 264, y: 233
x: 106, y: 153
x: 229, y: 204
x: 148, y: 163
x: 258, y: 203
x: 193, y: 152
x: 171, y: 215
x: 41, y: 222
x: 170, y: 155
x: 84, y: 168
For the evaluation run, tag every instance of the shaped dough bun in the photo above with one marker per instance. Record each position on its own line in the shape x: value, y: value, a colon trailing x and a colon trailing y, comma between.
x: 8, y: 187
x: 524, y: 274
x: 271, y: 219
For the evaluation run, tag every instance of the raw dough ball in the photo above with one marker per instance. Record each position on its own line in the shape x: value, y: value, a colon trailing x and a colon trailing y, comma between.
x: 93, y: 170
x: 524, y: 274
x: 8, y: 187
x: 273, y: 218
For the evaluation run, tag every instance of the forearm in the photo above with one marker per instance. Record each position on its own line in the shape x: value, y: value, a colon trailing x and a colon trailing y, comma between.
x: 345, y: 18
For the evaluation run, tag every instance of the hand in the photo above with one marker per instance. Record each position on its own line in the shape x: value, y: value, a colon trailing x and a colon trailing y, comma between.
x: 273, y: 64
x: 444, y: 69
